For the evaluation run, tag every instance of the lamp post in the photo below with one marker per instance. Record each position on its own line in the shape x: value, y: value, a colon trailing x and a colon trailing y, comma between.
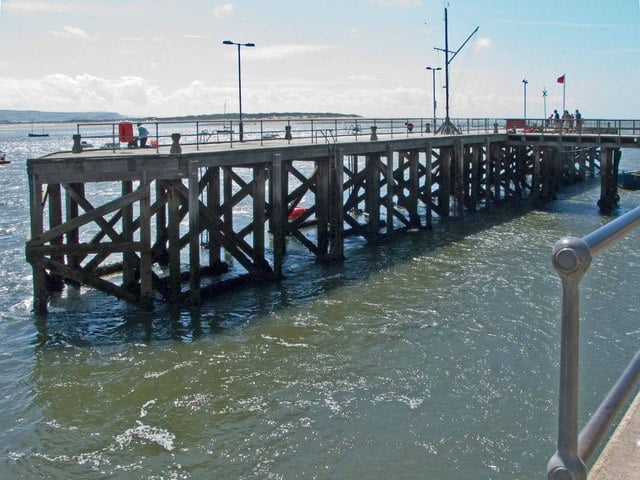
x: 524, y: 83
x: 229, y: 42
x: 433, y: 72
x: 544, y: 100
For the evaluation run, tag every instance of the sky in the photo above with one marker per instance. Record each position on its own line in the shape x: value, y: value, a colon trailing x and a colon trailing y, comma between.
x: 365, y: 57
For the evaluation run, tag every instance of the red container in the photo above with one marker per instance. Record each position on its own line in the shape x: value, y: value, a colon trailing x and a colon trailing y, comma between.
x: 125, y: 132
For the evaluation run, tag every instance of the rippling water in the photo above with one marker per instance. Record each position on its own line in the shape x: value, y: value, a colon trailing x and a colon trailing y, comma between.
x: 433, y: 355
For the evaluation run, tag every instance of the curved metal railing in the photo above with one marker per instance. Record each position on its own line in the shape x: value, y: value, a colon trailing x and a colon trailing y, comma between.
x: 571, y: 259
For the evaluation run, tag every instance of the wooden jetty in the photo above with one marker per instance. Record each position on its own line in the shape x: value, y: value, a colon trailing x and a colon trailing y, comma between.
x: 162, y: 224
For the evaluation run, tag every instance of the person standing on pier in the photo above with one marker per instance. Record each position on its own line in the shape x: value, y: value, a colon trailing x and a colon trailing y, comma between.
x: 566, y: 119
x: 578, y: 116
x: 143, y: 133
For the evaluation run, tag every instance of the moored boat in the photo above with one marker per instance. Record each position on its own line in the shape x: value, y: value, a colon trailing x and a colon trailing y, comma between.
x: 629, y: 180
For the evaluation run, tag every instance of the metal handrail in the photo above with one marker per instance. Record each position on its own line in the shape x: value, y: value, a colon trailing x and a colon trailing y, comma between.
x: 571, y: 259
x: 305, y: 128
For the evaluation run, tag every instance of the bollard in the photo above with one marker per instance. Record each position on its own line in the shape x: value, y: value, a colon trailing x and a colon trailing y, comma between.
x: 428, y: 128
x: 287, y: 132
x: 77, y: 147
x: 175, y: 146
x: 374, y: 135
x: 495, y: 127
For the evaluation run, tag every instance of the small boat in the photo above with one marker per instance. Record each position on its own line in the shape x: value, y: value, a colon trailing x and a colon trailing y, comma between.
x: 629, y: 180
x: 270, y: 136
x: 3, y: 159
x: 33, y: 134
x: 296, y: 212
x: 85, y: 144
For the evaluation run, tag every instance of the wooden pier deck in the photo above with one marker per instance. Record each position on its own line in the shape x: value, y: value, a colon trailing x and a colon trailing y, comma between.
x: 176, y: 206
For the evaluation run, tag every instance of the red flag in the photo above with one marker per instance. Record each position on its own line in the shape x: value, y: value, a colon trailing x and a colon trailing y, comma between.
x: 561, y: 79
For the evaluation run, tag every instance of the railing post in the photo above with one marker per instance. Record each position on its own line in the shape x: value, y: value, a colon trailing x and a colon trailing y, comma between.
x: 571, y: 259
x: 176, y: 149
x: 77, y: 147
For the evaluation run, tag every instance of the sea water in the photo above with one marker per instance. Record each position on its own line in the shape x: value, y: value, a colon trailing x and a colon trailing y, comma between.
x: 432, y: 355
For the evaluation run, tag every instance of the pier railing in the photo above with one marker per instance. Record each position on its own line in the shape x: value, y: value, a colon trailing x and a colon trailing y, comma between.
x: 313, y: 130
x: 571, y: 259
x: 332, y: 130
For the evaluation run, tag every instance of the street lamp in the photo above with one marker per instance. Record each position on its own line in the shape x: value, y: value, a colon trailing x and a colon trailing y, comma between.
x: 544, y: 99
x: 524, y: 82
x: 229, y: 42
x: 433, y: 72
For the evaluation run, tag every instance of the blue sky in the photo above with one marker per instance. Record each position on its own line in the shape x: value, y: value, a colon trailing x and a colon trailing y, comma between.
x: 367, y: 57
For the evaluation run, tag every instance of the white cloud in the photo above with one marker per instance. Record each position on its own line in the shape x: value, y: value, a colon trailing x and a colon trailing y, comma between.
x: 279, y: 52
x: 71, y: 32
x: 223, y: 10
x: 483, y: 43
x: 49, y: 6
x: 400, y: 3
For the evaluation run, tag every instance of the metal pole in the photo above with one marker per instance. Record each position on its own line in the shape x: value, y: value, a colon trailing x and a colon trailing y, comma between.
x: 240, y: 96
x: 433, y: 72
x: 446, y: 62
x: 524, y: 82
x: 544, y: 99
x: 240, y: 124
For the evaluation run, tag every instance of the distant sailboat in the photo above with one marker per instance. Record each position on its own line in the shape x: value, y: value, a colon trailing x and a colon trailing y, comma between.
x: 225, y: 129
x: 32, y: 134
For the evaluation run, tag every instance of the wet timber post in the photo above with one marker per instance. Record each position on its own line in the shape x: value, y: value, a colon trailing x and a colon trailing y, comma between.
x: 375, y: 188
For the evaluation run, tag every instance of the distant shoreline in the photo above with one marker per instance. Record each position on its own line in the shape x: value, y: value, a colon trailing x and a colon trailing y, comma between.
x: 19, y: 117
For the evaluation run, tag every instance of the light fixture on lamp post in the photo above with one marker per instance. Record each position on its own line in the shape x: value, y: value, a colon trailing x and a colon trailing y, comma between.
x: 229, y: 42
x: 524, y: 83
x: 433, y: 72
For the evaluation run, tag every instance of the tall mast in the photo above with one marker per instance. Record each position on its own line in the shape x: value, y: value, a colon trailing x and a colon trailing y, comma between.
x: 446, y: 63
x: 447, y: 126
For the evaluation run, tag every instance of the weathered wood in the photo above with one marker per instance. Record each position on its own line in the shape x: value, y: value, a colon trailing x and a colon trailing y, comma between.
x: 372, y: 195
x: 73, y: 236
x: 55, y: 219
x: 414, y: 188
x: 322, y: 204
x: 260, y: 176
x: 174, y: 240
x: 40, y: 292
x: 278, y: 213
x: 162, y: 234
x: 128, y: 270
x: 92, y: 281
x: 146, y: 273
x: 488, y: 173
x: 194, y: 235
x: 213, y: 202
x: 388, y: 202
x: 474, y: 170
x: 428, y: 185
x: 336, y: 210
x: 95, y: 214
x: 87, y: 248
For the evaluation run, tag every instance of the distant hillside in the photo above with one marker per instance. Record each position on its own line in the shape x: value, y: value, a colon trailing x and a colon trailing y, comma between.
x: 251, y: 116
x: 23, y: 116
x: 26, y: 116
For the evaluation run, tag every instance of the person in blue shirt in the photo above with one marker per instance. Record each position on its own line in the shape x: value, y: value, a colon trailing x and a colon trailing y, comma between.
x: 143, y: 133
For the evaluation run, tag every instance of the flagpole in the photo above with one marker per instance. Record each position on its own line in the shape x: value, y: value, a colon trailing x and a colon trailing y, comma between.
x: 564, y: 91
